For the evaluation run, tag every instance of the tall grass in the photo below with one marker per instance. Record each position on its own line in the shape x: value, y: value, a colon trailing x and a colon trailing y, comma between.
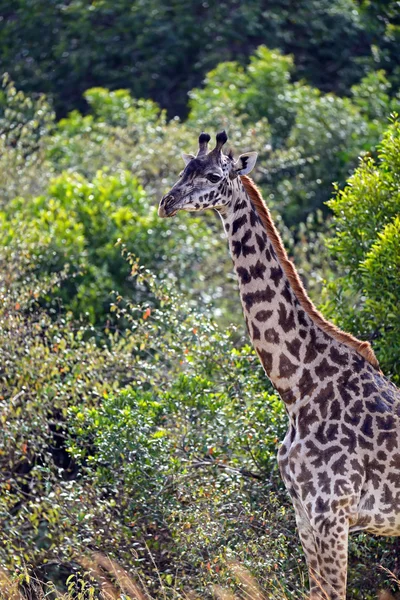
x: 102, y: 578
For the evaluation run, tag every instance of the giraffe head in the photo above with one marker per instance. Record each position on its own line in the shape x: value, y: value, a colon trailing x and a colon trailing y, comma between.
x: 207, y: 179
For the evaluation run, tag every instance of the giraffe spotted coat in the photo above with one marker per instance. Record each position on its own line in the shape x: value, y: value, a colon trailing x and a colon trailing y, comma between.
x: 340, y: 459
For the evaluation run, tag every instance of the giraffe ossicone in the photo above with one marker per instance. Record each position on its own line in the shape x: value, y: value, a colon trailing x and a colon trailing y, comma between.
x: 340, y: 459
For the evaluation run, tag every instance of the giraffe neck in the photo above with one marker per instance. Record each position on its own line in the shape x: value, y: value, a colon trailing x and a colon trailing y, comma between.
x: 284, y: 336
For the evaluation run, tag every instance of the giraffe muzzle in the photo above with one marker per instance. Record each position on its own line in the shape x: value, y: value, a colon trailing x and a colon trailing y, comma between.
x: 166, y: 207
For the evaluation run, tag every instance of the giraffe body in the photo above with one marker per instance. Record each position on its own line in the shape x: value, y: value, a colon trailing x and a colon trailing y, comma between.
x: 340, y: 459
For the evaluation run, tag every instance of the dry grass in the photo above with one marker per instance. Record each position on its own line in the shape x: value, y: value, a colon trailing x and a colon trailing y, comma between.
x: 113, y: 582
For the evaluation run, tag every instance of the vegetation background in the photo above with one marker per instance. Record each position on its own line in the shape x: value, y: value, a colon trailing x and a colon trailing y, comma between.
x: 136, y: 420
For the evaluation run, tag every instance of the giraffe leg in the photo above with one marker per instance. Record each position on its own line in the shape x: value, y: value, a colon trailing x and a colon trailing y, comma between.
x: 325, y: 547
x: 331, y: 541
x: 309, y: 545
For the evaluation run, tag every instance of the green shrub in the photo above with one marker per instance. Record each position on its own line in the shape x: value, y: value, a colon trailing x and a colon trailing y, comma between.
x: 314, y: 139
x: 366, y: 245
x: 25, y: 127
x: 81, y: 221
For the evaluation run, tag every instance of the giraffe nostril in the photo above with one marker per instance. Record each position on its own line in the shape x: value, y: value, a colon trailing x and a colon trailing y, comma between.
x: 167, y: 199
x: 165, y: 204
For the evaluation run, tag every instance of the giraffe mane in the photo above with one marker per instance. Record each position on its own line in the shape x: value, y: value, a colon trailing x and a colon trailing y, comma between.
x: 363, y: 348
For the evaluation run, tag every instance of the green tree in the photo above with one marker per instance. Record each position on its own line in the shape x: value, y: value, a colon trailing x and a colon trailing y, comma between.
x: 162, y: 50
x: 366, y: 244
x: 315, y: 138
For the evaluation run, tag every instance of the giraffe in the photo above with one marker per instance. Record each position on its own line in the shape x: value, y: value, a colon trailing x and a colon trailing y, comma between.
x: 340, y: 459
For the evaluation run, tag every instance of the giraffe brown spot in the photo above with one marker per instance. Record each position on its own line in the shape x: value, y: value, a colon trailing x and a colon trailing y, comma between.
x: 304, y: 479
x: 369, y: 389
x: 366, y: 427
x: 369, y: 503
x: 365, y: 376
x: 386, y: 423
x: 321, y: 506
x: 302, y: 318
x: 254, y: 218
x: 344, y: 391
x: 303, y: 334
x: 242, y: 247
x: 266, y: 359
x: 348, y: 385
x: 256, y: 332
x: 324, y: 369
x: 341, y: 487
x: 377, y: 405
x: 285, y: 318
x: 350, y: 438
x: 243, y: 274
x: 287, y: 396
x: 238, y: 223
x: 263, y: 315
x: 324, y: 482
x: 321, y: 456
x: 240, y: 204
x: 394, y: 479
x: 261, y: 241
x: 326, y: 432
x: 389, y: 395
x: 336, y: 411
x: 311, y: 353
x: 373, y: 470
x: 257, y: 297
x: 323, y: 397
x: 395, y: 462
x: 286, y: 367
x: 356, y: 475
x: 391, y: 500
x: 276, y: 275
x: 381, y: 455
x: 353, y: 413
x: 307, y: 417
x: 306, y: 383
x: 339, y: 466
x: 389, y: 439
x: 294, y: 348
x: 364, y: 444
x: 257, y: 271
x: 271, y: 336
x: 358, y: 363
x: 286, y: 293
x: 314, y: 347
x: 337, y: 357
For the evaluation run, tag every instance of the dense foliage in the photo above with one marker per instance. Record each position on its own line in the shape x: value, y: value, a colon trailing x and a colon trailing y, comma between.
x: 136, y: 420
x: 162, y: 50
x: 367, y: 243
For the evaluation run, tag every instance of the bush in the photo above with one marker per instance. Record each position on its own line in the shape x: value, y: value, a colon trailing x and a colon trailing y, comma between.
x: 80, y: 223
x: 156, y: 446
x: 315, y: 138
x: 366, y: 245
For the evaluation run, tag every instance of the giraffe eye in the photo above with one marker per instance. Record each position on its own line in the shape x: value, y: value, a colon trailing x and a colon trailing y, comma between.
x: 213, y: 177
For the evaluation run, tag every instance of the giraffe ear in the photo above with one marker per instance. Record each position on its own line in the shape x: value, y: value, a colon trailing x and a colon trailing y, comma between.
x: 244, y: 164
x: 187, y: 157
